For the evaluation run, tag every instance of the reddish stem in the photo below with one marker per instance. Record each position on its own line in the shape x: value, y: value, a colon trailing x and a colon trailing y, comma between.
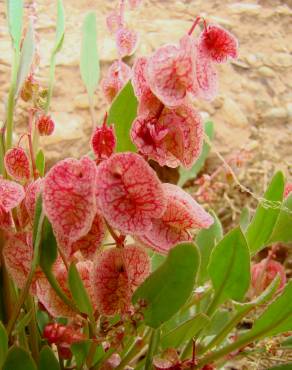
x: 119, y: 239
x: 196, y: 21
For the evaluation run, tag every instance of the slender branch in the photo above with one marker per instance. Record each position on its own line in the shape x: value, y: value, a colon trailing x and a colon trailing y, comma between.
x: 33, y: 329
x: 153, y: 345
x: 29, y: 136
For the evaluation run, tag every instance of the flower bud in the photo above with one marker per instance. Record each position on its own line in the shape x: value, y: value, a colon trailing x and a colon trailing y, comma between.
x: 45, y: 125
x: 288, y: 189
x: 103, y: 141
x: 29, y: 89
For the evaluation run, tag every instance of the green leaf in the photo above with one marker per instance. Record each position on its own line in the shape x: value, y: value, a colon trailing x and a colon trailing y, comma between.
x: 122, y: 113
x: 244, y: 218
x: 218, y: 322
x: 206, y: 241
x: 15, y: 13
x: 3, y: 344
x: 49, y: 247
x: 276, y: 319
x: 81, y: 349
x: 42, y: 319
x: 263, y: 298
x: 26, y: 58
x: 167, y: 289
x: 48, y: 360
x: 187, y: 174
x: 18, y: 359
x: 60, y: 28
x: 229, y: 267
x: 78, y: 291
x: 184, y: 332
x: 283, y: 229
x: 40, y: 162
x: 263, y: 222
x: 89, y: 62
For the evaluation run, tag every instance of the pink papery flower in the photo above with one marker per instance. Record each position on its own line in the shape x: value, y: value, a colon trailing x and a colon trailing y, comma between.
x: 17, y: 164
x: 11, y: 195
x: 31, y: 194
x: 117, y: 273
x: 117, y: 76
x: 49, y: 298
x: 171, y: 72
x: 69, y: 197
x: 218, y: 43
x: 215, y: 45
x: 18, y: 254
x: 103, y: 141
x: 139, y: 81
x: 182, y: 215
x: 174, y: 138
x: 264, y: 272
x: 88, y: 244
x: 114, y: 21
x: 126, y: 41
x: 129, y: 193
x: 134, y: 3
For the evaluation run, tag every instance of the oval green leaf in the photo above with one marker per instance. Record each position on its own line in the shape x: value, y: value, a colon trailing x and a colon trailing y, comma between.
x: 48, y: 360
x: 60, y: 28
x: 167, y: 289
x: 15, y: 13
x: 184, y: 332
x: 78, y: 291
x: 89, y: 62
x: 283, y: 229
x: 206, y: 241
x: 40, y: 162
x: 229, y: 267
x: 49, y: 247
x: 122, y: 113
x: 26, y: 58
x: 263, y: 222
x: 18, y: 359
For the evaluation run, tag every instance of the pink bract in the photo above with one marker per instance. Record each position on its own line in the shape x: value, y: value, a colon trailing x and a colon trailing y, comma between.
x: 139, y: 80
x: 103, y: 141
x: 134, y: 3
x: 18, y: 253
x: 17, y: 164
x: 45, y: 125
x: 126, y: 41
x: 69, y: 197
x: 118, y: 75
x: 182, y: 214
x: 264, y: 272
x: 218, y: 43
x: 206, y: 74
x: 114, y: 21
x: 32, y: 192
x: 117, y: 273
x: 11, y: 194
x: 173, y: 139
x: 88, y: 244
x: 171, y: 72
x: 129, y: 193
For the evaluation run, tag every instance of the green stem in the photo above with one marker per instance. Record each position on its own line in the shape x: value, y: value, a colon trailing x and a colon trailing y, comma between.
x: 26, y: 288
x: 91, y: 110
x: 153, y: 345
x: 2, y: 152
x: 33, y: 329
x: 51, y: 82
x: 11, y: 99
x: 55, y: 285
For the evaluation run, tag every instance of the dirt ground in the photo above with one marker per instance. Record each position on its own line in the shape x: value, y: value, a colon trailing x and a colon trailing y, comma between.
x: 253, y: 111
